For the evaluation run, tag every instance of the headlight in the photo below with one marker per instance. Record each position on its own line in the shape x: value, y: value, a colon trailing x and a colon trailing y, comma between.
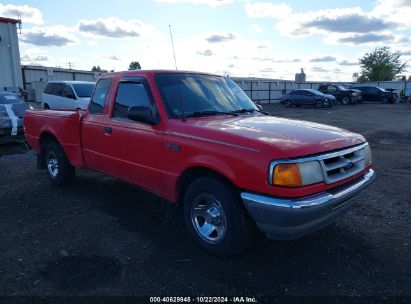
x: 367, y: 155
x: 296, y: 174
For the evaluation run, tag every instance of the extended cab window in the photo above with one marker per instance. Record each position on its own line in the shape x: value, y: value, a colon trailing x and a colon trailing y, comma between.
x: 98, y: 101
x: 130, y: 94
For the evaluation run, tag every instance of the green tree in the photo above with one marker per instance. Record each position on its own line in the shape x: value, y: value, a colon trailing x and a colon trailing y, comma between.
x: 98, y: 69
x: 134, y: 65
x: 381, y: 64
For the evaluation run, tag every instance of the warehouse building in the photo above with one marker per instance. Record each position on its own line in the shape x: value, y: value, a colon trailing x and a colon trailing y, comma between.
x: 10, y: 68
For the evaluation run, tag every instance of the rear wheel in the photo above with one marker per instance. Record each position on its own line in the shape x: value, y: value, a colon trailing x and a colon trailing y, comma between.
x: 59, y: 169
x: 216, y: 218
x: 385, y: 99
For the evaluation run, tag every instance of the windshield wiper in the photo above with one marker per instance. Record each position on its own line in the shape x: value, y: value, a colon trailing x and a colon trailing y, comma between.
x: 242, y: 111
x: 209, y: 113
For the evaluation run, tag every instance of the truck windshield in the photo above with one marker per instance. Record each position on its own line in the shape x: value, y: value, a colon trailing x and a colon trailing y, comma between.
x: 83, y: 89
x: 186, y: 94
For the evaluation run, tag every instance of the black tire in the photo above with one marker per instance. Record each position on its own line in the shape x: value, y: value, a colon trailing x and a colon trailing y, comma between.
x: 59, y: 169
x: 46, y: 106
x: 326, y: 103
x: 318, y: 103
x: 385, y: 99
x: 237, y: 229
x: 288, y: 103
x: 345, y: 100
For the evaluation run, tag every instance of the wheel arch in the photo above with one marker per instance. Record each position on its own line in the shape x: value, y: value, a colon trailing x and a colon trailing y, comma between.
x: 45, y: 138
x: 192, y: 173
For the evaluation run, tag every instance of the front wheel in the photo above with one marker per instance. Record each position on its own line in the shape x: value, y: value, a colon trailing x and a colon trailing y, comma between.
x: 59, y: 169
x: 346, y: 100
x: 326, y: 104
x: 216, y: 218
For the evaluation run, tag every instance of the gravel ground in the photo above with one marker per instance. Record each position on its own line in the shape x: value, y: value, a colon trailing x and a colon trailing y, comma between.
x: 101, y: 236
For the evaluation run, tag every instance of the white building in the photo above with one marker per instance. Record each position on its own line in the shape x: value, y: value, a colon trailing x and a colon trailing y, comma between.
x: 10, y: 68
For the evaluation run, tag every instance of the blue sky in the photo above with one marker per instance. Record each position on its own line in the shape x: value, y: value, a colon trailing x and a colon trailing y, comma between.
x: 272, y: 39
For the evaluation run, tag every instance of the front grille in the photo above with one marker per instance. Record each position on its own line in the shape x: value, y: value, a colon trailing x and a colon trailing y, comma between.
x: 343, y: 164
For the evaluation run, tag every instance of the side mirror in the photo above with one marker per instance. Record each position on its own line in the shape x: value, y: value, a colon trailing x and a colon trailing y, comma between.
x: 141, y: 114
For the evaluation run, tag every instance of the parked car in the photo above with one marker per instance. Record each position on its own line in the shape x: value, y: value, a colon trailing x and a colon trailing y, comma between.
x: 199, y: 142
x: 341, y: 93
x: 371, y: 93
x: 307, y: 97
x: 17, y: 91
x: 12, y: 110
x: 67, y: 95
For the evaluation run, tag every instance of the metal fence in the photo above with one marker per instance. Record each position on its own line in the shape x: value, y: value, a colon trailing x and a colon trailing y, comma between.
x: 270, y: 91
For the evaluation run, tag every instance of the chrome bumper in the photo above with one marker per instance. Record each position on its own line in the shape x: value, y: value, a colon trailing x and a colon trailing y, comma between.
x: 283, y: 219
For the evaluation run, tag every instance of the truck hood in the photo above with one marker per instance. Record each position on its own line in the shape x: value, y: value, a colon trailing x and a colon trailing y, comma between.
x: 283, y: 137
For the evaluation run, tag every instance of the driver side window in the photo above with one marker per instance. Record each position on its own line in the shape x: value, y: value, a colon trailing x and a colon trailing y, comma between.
x: 131, y: 94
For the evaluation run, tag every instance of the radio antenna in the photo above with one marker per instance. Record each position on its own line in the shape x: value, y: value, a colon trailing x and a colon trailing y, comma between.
x: 172, y: 44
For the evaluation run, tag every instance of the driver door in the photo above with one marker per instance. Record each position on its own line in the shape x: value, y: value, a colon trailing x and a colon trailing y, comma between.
x: 136, y: 153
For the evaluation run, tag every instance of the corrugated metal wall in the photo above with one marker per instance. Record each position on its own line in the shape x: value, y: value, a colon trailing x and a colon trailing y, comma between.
x: 10, y: 69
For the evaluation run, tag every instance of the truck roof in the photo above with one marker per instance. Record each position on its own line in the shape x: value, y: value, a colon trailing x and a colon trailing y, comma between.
x: 71, y: 82
x: 152, y: 72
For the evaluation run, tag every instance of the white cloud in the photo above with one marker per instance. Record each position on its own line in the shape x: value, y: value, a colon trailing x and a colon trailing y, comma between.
x: 257, y: 28
x: 35, y: 56
x: 340, y: 20
x: 114, y: 27
x: 394, y: 10
x: 267, y: 10
x: 28, y: 14
x: 212, y: 3
x: 49, y: 36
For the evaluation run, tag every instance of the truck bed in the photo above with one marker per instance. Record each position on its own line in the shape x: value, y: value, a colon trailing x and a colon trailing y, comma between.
x: 62, y: 125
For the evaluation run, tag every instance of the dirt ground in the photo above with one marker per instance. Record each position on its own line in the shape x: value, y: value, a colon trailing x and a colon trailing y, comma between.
x: 101, y: 236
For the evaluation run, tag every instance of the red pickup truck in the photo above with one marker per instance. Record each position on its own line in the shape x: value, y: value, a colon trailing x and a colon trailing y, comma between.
x: 197, y: 140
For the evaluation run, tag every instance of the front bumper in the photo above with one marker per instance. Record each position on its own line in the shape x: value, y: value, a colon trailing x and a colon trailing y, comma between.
x: 355, y: 99
x: 286, y: 219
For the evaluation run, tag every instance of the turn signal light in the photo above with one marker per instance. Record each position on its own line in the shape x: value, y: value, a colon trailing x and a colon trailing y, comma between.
x: 287, y: 175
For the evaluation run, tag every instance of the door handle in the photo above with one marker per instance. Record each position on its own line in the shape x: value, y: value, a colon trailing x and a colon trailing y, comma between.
x: 107, y: 130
